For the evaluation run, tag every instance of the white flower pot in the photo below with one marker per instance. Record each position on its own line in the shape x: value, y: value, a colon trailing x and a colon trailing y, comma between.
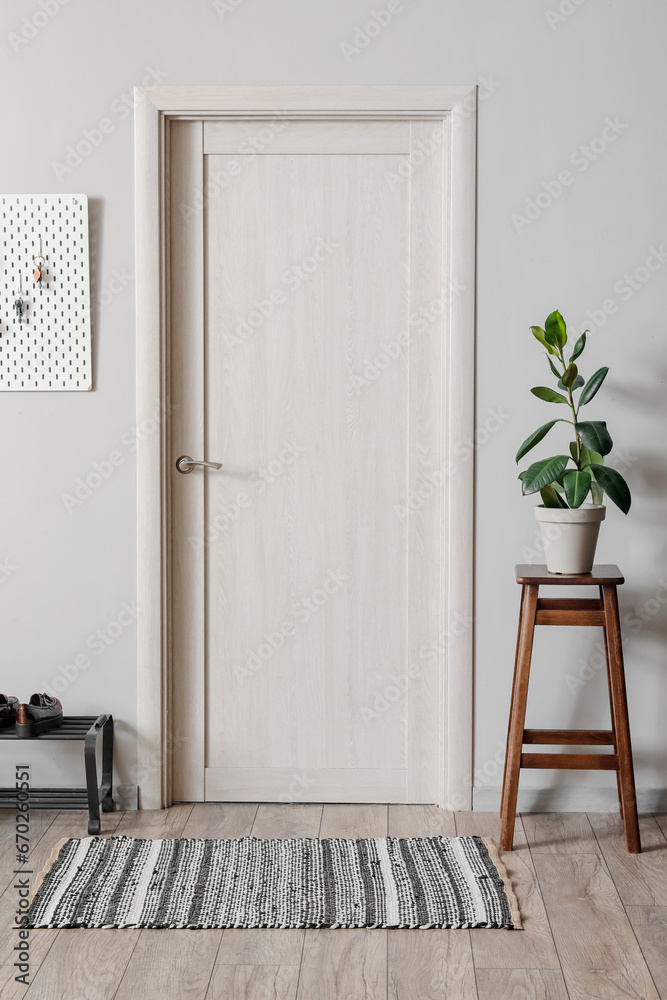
x: 570, y: 536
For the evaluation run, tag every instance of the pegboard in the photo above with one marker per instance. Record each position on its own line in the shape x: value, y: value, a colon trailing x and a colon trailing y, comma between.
x: 50, y: 350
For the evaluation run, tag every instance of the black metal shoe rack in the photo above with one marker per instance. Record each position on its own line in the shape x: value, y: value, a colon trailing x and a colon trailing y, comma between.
x: 75, y: 727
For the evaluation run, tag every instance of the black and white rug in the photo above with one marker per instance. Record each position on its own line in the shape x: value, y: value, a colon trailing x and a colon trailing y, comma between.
x: 451, y: 882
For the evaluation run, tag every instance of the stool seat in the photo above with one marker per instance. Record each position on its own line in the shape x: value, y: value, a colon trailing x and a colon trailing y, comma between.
x: 602, y: 612
x: 525, y: 573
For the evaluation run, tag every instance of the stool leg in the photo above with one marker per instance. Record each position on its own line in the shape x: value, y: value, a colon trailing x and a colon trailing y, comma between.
x: 621, y: 721
x: 517, y: 715
x: 522, y: 610
x: 611, y: 709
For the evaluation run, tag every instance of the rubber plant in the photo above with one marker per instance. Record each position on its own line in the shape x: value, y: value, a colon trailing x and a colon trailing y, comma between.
x: 567, y: 480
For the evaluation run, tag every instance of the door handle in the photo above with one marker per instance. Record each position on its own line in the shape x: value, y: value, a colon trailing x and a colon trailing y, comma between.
x: 186, y: 464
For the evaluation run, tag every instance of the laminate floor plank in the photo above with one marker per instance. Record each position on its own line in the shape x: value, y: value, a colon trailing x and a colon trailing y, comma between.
x: 661, y: 820
x: 220, y: 820
x: 9, y: 988
x: 641, y: 879
x: 287, y: 819
x: 521, y: 984
x: 650, y: 926
x: 559, y: 833
x: 420, y: 821
x: 83, y: 965
x: 430, y: 964
x: 155, y: 823
x: 253, y: 982
x: 599, y: 953
x: 167, y: 964
x: 533, y: 947
x: 354, y: 821
x: 344, y: 965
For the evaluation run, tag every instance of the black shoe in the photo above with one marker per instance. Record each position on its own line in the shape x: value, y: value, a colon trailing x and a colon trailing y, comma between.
x: 40, y: 714
x: 8, y: 709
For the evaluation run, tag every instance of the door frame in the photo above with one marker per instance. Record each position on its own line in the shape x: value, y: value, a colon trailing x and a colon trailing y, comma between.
x: 456, y: 107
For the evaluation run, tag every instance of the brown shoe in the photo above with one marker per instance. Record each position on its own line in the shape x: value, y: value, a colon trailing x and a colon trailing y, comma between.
x: 40, y: 714
x: 8, y: 709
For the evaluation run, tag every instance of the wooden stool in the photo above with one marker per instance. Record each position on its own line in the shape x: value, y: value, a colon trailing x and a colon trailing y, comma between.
x: 602, y: 611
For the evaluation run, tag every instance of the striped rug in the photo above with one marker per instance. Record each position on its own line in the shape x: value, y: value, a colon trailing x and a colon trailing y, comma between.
x: 416, y: 882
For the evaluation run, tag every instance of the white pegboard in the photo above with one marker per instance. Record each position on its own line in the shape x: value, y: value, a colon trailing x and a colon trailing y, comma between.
x: 51, y: 349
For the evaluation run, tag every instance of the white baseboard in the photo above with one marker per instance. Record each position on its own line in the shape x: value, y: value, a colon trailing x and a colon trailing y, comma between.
x: 569, y: 799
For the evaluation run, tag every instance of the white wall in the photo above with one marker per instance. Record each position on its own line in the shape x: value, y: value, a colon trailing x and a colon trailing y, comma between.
x: 551, y: 85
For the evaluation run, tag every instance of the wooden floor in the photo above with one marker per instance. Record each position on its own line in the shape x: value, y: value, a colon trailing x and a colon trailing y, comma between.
x: 595, y: 919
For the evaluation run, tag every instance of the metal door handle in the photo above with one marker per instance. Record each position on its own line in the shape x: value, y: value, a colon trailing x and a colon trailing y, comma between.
x: 186, y: 464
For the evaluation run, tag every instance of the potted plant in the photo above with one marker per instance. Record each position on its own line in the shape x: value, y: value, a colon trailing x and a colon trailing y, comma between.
x: 568, y: 523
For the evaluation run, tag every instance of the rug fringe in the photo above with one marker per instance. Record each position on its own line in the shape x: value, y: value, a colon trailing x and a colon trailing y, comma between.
x: 494, y: 854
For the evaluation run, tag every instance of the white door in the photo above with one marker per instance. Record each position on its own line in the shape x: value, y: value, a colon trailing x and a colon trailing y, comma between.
x: 306, y: 263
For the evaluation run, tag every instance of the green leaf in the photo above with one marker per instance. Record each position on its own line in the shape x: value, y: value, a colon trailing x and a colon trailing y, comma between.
x: 577, y: 484
x: 578, y: 382
x: 555, y: 330
x: 570, y: 376
x: 549, y: 395
x: 587, y: 456
x: 592, y: 386
x: 534, y: 439
x: 522, y: 475
x: 543, y: 473
x: 614, y: 485
x: 595, y: 435
x: 554, y: 369
x: 579, y: 346
x: 538, y: 332
x: 550, y: 497
x: 596, y: 493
